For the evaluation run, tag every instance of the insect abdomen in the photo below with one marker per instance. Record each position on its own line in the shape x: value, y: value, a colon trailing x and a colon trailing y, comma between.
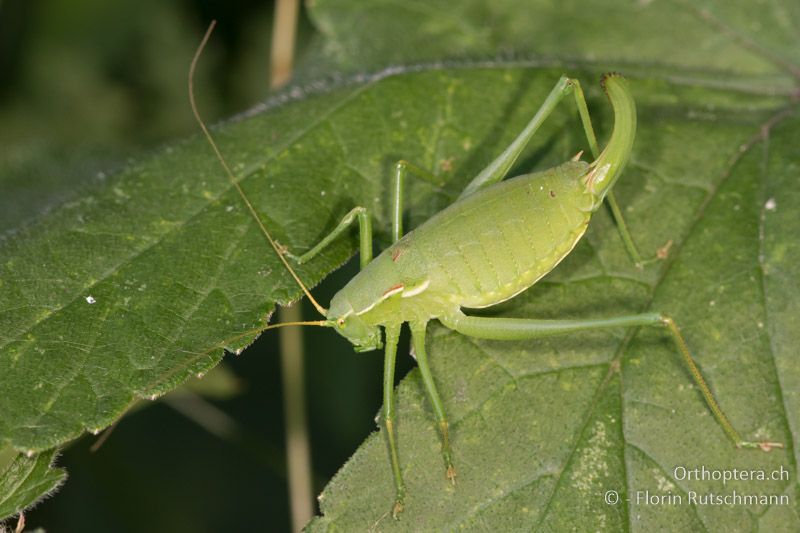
x: 499, y: 241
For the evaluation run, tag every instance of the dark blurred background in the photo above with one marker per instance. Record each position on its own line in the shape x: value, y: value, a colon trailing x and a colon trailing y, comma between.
x: 86, y: 85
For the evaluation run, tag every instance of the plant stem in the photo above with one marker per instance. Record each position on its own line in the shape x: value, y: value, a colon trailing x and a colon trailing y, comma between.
x: 298, y: 453
x: 298, y: 449
x: 284, y: 30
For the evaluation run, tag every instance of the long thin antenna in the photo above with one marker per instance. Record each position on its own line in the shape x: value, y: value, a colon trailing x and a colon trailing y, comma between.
x: 323, y: 323
x: 231, y: 177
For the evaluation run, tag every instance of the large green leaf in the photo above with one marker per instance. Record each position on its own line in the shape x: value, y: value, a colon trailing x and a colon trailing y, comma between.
x: 542, y: 429
x: 717, y: 195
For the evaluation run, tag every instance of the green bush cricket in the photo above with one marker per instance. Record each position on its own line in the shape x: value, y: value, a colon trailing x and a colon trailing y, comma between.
x: 496, y: 240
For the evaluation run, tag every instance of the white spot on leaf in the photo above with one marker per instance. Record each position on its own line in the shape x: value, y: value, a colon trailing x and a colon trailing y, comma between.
x: 591, y: 466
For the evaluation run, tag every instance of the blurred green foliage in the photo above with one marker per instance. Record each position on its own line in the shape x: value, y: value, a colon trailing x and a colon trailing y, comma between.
x: 87, y: 83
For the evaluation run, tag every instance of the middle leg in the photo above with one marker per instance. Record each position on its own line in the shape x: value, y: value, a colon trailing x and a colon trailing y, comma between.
x: 418, y: 339
x: 389, y: 417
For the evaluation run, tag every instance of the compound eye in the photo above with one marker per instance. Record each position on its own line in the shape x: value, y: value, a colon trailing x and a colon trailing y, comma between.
x: 340, y: 322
